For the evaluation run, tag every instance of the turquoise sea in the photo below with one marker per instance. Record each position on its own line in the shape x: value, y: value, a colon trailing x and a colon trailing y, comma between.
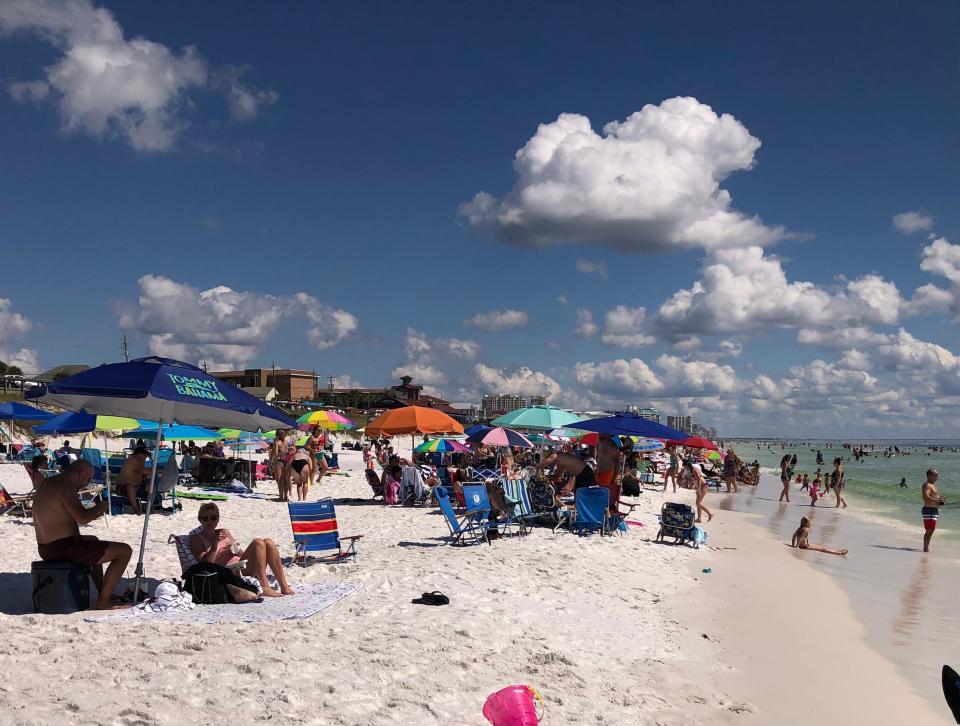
x: 873, y: 482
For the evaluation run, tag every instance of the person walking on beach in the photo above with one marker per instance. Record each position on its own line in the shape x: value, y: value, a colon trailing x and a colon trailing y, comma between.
x: 700, y: 487
x: 730, y: 466
x: 932, y: 501
x: 801, y: 541
x: 673, y: 470
x: 838, y: 482
x: 278, y: 451
x: 785, y: 474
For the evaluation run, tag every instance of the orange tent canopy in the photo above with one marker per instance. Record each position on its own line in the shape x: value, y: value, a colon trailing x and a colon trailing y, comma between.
x: 412, y: 420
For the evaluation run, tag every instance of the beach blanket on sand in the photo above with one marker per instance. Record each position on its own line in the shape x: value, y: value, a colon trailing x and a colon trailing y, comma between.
x: 310, y: 599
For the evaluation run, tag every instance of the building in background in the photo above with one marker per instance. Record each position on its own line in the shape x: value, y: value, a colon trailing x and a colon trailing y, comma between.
x: 292, y: 385
x: 650, y: 414
x: 496, y: 405
x: 538, y: 401
x: 681, y: 423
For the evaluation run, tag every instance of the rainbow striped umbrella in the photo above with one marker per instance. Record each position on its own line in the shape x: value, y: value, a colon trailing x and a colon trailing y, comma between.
x: 444, y: 446
x: 330, y: 420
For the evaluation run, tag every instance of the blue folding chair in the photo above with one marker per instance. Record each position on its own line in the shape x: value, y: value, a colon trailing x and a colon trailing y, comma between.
x: 96, y: 461
x: 466, y: 529
x: 315, y: 529
x: 591, y: 504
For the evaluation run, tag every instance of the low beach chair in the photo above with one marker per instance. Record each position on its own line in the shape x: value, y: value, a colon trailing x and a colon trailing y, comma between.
x: 18, y: 505
x: 618, y: 510
x: 517, y: 499
x: 315, y: 529
x: 591, y: 504
x: 679, y: 522
x: 374, y: 481
x: 468, y: 529
x: 95, y: 459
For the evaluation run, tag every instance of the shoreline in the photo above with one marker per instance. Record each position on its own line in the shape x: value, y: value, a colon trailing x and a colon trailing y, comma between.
x: 805, y: 635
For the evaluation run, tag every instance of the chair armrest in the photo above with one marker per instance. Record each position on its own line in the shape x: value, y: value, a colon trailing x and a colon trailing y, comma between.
x: 236, y: 567
x: 353, y: 536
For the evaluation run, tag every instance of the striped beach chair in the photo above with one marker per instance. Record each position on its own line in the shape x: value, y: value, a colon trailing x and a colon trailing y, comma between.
x: 315, y: 530
x: 517, y: 499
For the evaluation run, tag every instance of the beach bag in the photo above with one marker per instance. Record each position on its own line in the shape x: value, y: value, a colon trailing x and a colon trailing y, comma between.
x: 211, y: 584
x: 60, y: 587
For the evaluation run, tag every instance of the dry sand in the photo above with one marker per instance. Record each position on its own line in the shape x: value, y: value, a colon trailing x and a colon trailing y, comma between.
x: 608, y: 630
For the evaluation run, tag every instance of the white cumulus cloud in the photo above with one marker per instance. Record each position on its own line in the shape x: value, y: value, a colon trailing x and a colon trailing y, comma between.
x: 590, y: 267
x: 650, y: 182
x: 623, y: 379
x: 498, y: 319
x: 585, y: 326
x: 625, y: 328
x: 518, y: 382
x: 221, y: 326
x: 107, y: 85
x: 13, y: 325
x: 910, y: 222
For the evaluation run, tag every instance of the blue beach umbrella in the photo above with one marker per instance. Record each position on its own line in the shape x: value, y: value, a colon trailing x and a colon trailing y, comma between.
x: 476, y: 428
x: 166, y: 391
x: 73, y: 422
x: 13, y: 411
x: 629, y: 425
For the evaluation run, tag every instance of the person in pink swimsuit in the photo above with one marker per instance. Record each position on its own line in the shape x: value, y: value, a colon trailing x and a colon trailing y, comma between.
x: 212, y: 544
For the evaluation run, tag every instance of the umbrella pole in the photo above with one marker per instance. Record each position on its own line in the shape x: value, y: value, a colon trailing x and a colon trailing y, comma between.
x: 106, y: 475
x: 146, y: 518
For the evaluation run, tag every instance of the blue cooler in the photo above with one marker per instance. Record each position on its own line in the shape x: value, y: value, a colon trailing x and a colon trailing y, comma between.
x: 60, y: 587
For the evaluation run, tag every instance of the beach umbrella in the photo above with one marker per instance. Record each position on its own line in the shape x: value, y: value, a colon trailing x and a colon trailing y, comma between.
x: 443, y: 446
x: 162, y: 390
x: 412, y: 420
x: 593, y: 439
x: 537, y: 417
x: 175, y: 432
x: 693, y: 442
x: 562, y: 434
x: 238, y: 435
x: 330, y: 420
x: 500, y: 436
x: 631, y: 426
x: 714, y: 456
x: 476, y: 428
x: 76, y: 422
x: 14, y: 411
x: 647, y: 445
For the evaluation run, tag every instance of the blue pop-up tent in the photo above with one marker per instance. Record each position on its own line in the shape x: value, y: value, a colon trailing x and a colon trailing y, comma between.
x: 166, y: 391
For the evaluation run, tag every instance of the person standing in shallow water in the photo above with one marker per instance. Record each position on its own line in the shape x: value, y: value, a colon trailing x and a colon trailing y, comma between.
x: 785, y: 475
x: 932, y: 501
x: 838, y: 482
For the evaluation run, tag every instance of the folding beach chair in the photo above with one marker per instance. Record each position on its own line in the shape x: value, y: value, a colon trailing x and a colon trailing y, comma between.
x: 618, y: 511
x: 518, y: 502
x: 15, y: 504
x: 591, y: 504
x: 95, y: 460
x: 315, y: 529
x: 469, y: 529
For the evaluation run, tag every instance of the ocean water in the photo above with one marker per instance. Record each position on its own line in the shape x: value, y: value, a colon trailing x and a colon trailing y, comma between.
x: 873, y: 482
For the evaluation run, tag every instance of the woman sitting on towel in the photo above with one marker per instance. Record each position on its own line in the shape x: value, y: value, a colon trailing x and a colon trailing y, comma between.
x: 218, y: 546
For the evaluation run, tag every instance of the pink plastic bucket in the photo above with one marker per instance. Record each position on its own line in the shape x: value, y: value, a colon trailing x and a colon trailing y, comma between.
x: 513, y: 706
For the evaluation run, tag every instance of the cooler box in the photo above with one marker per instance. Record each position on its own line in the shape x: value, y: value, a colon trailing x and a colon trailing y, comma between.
x: 648, y: 477
x: 60, y: 587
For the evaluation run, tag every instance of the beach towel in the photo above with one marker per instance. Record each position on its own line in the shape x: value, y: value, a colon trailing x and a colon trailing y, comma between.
x: 310, y: 599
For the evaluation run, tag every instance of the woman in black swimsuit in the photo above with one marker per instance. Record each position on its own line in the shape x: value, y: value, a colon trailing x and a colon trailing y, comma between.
x: 301, y: 473
x: 838, y: 482
x: 786, y: 473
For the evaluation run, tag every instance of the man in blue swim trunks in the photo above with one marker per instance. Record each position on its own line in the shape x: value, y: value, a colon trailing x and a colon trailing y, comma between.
x: 932, y: 501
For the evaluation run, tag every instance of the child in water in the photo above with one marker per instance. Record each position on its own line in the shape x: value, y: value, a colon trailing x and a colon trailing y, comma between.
x: 800, y: 540
x: 814, y: 491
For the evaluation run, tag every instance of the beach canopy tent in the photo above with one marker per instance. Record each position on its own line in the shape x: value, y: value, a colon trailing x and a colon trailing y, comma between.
x: 500, y: 436
x: 630, y: 425
x: 77, y: 422
x: 443, y: 446
x: 174, y: 432
x: 537, y: 417
x: 162, y: 390
x: 693, y: 442
x: 412, y: 420
x: 14, y: 411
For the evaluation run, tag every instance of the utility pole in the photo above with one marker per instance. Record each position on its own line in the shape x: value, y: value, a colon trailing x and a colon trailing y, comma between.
x: 126, y: 352
x: 332, y: 380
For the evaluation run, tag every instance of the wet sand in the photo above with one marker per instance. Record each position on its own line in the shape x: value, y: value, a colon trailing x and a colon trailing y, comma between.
x: 895, y: 602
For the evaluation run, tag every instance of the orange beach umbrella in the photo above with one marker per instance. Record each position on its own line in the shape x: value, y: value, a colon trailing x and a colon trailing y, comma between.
x: 412, y: 420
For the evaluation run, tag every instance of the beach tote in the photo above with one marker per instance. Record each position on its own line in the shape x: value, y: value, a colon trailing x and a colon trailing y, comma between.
x: 208, y: 584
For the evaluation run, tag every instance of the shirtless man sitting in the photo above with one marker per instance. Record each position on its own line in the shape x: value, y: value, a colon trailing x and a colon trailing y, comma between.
x: 130, y: 477
x: 575, y: 470
x: 57, y: 516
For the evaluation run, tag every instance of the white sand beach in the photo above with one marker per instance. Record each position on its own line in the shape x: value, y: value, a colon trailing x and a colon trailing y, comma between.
x: 608, y: 630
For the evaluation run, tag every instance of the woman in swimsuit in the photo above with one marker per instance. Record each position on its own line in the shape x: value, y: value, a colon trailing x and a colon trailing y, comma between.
x: 838, y: 482
x: 800, y: 540
x: 785, y: 474
x: 730, y: 471
x: 278, y: 451
x: 672, y: 470
x: 301, y: 472
x: 218, y: 546
x: 701, y: 487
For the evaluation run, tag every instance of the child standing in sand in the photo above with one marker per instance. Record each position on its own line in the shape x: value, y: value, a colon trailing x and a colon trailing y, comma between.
x: 800, y: 540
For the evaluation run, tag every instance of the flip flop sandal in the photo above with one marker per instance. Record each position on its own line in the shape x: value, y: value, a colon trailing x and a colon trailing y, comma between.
x: 432, y: 598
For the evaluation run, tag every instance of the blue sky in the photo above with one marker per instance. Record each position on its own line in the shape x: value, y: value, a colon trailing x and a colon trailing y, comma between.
x: 316, y: 160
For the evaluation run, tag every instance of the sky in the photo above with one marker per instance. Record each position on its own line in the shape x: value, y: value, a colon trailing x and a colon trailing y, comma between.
x: 747, y: 213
